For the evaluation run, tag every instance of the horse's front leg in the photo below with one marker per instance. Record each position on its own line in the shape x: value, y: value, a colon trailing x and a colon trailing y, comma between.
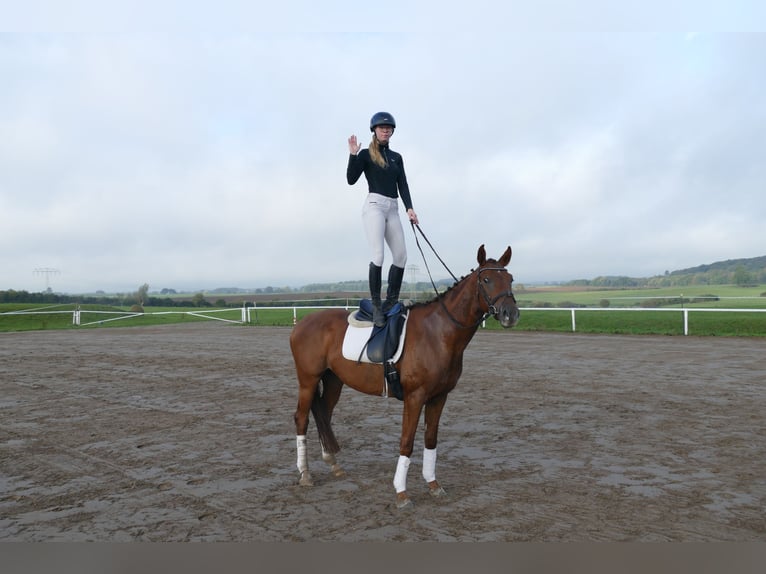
x: 410, y: 418
x: 303, y: 461
x: 433, y: 413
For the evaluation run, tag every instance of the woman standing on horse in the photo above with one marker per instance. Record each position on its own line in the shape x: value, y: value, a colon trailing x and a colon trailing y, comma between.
x: 386, y: 180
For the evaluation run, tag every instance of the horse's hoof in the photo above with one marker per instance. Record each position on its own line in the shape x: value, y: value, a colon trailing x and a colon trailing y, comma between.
x: 436, y: 490
x: 403, y: 501
x: 338, y: 472
x: 305, y: 479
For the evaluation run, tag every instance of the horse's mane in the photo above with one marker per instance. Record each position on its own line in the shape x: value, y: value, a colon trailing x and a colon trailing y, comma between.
x: 438, y: 296
x: 443, y: 294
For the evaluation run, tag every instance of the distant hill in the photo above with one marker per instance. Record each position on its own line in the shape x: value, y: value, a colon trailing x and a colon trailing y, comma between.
x: 732, y: 271
x: 744, y: 272
x: 753, y: 265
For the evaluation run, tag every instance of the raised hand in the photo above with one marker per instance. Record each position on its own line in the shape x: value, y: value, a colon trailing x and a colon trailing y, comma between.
x: 353, y: 145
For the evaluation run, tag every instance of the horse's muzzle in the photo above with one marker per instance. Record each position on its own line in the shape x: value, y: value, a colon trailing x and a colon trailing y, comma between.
x: 508, y: 314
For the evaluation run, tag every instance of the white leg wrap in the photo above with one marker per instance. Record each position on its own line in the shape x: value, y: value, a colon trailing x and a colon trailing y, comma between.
x: 429, y: 464
x: 303, y: 461
x: 400, y: 478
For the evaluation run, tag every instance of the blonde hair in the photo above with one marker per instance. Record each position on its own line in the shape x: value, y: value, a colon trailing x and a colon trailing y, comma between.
x: 375, y: 154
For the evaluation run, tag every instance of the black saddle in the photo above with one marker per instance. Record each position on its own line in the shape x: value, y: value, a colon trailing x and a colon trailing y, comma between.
x: 384, y: 341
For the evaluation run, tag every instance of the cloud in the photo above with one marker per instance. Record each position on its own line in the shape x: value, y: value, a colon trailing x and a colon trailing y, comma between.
x: 201, y: 159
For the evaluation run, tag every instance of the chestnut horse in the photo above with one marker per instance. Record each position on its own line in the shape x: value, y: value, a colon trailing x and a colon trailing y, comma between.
x: 438, y: 333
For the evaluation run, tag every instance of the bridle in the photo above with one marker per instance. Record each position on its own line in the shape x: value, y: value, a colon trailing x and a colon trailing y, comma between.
x: 481, y: 291
x: 491, y: 309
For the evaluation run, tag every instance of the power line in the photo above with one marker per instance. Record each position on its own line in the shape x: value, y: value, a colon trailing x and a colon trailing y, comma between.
x: 413, y: 269
x: 47, y: 271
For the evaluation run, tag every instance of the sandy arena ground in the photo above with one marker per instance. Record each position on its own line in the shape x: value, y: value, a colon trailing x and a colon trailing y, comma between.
x: 185, y: 433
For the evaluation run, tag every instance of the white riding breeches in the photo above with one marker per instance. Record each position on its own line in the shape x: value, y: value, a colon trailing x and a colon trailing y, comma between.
x: 380, y: 215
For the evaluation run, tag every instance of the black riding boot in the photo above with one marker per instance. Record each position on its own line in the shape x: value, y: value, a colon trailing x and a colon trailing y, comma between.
x: 376, y: 280
x: 395, y: 275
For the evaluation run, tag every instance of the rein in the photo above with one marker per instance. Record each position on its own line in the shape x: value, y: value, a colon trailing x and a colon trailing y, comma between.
x: 481, y: 291
x: 414, y: 225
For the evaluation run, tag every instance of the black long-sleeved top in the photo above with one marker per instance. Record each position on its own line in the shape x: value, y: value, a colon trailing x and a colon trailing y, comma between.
x: 381, y: 180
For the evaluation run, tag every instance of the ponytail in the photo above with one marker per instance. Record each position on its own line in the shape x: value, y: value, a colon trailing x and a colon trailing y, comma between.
x: 375, y: 154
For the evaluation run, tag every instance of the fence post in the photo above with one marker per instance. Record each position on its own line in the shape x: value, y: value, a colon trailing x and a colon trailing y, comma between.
x: 573, y: 320
x: 686, y: 321
x: 295, y: 315
x: 76, y: 317
x: 244, y: 313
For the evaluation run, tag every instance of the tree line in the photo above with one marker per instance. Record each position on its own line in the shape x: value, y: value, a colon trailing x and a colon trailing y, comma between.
x: 119, y: 300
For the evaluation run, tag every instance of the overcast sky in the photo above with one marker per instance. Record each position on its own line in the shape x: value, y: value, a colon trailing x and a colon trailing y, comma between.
x: 192, y: 149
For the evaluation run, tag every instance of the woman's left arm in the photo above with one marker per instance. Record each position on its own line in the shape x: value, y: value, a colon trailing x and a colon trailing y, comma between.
x: 404, y: 191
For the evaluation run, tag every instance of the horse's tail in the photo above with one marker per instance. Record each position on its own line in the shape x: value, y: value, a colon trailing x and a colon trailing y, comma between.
x: 322, y: 419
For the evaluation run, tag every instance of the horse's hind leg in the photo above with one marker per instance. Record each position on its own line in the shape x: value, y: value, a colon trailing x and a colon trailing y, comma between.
x: 321, y: 403
x: 331, y: 389
x: 305, y: 397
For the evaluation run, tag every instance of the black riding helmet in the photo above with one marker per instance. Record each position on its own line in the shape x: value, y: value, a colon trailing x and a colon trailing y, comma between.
x: 382, y: 119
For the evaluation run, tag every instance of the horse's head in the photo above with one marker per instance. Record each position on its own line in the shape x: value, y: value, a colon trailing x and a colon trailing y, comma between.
x: 496, y: 287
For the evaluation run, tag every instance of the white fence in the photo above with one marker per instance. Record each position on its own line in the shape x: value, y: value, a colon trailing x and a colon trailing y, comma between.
x: 77, y: 314
x: 246, y: 313
x: 685, y: 311
x: 573, y: 311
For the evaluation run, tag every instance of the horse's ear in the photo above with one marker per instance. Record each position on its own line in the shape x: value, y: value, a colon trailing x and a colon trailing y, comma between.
x: 481, y: 256
x: 506, y: 258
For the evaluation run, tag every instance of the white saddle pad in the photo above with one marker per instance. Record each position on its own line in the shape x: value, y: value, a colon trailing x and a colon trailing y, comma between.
x: 357, y: 335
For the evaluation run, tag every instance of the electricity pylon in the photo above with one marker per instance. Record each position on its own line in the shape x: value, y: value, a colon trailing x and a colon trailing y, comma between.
x: 47, y: 271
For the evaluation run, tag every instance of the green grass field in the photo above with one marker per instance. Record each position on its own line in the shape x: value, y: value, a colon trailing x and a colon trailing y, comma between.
x: 643, y: 322
x: 730, y: 296
x: 606, y: 311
